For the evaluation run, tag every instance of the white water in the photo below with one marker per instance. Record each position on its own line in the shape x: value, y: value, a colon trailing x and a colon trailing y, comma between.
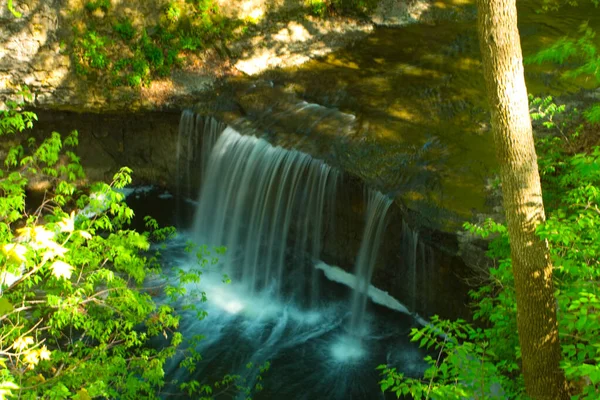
x: 410, y: 241
x: 197, y: 136
x: 312, y: 355
x: 253, y: 198
x: 418, y: 263
x: 377, y: 206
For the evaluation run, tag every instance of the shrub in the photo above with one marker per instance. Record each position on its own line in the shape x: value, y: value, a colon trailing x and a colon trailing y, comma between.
x: 94, y: 5
x: 76, y: 320
x: 124, y: 29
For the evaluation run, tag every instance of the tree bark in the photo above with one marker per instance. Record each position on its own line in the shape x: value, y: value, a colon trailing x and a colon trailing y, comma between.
x: 522, y: 193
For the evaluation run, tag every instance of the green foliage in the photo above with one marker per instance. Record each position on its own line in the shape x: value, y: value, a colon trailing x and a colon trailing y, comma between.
x: 465, y: 365
x: 571, y: 231
x: 555, y: 5
x: 581, y: 52
x: 14, y: 12
x: 126, y: 56
x: 592, y: 114
x: 12, y: 120
x: 94, y: 5
x: 124, y: 29
x: 478, y: 363
x: 172, y: 12
x: 98, y: 55
x: 75, y: 318
x: 229, y: 383
x: 317, y: 7
x: 474, y: 362
x: 574, y: 180
x: 544, y: 110
x: 322, y: 8
x: 90, y: 51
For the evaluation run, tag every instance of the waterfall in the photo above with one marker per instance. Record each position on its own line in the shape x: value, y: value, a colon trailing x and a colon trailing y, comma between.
x: 410, y: 242
x: 254, y: 196
x: 377, y: 207
x: 424, y: 277
x: 418, y: 262
x: 193, y: 130
x: 272, y: 209
x: 255, y: 199
x: 185, y: 136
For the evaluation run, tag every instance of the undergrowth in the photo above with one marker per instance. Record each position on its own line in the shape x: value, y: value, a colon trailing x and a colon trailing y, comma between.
x: 123, y: 53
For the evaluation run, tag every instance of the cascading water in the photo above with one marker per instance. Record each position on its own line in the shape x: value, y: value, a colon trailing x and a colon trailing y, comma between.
x: 271, y: 208
x: 418, y: 264
x: 377, y: 207
x: 428, y: 273
x: 410, y: 241
x: 193, y: 130
x: 252, y: 195
x: 197, y: 136
x: 306, y: 118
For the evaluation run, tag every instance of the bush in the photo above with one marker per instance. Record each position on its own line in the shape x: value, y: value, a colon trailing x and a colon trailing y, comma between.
x: 124, y: 29
x: 317, y: 7
x: 90, y: 52
x: 94, y: 5
x: 76, y: 320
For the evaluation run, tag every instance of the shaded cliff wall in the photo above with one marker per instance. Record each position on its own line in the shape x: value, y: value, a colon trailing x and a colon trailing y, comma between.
x: 145, y: 142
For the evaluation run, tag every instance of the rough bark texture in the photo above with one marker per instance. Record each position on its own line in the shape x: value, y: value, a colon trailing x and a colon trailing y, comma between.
x: 532, y: 269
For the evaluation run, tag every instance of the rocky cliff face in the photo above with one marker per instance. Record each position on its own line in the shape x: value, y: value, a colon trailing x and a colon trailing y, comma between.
x: 421, y: 267
x: 146, y: 142
x: 36, y: 49
x: 30, y: 50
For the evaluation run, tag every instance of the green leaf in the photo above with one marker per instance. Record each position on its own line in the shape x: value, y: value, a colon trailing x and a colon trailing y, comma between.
x: 82, y: 394
x: 11, y: 8
x: 5, y: 306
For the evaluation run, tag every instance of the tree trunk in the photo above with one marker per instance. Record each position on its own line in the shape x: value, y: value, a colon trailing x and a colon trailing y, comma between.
x: 522, y: 192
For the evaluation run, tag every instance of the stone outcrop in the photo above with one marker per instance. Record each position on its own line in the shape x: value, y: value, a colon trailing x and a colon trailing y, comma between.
x: 291, y: 43
x: 399, y: 12
x: 30, y: 50
x: 35, y: 51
